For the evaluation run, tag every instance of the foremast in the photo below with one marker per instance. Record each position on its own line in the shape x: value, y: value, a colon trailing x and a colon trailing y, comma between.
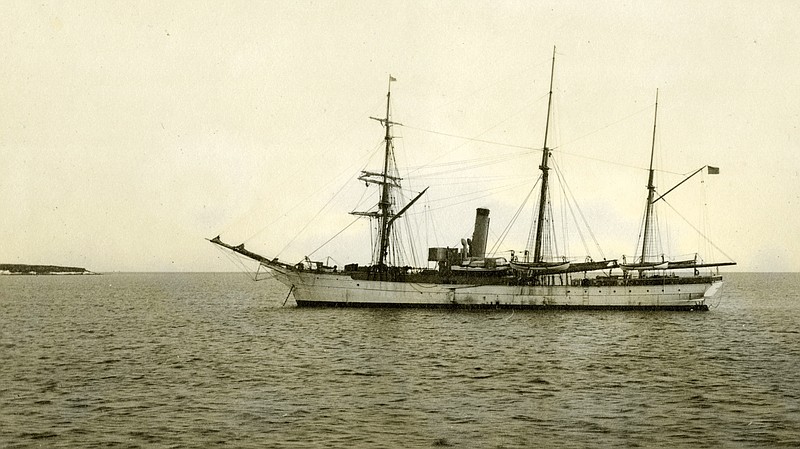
x: 387, y: 181
x: 384, y: 204
x: 540, y: 220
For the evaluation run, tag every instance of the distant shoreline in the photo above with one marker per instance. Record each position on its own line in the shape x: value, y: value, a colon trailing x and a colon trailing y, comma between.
x: 23, y: 269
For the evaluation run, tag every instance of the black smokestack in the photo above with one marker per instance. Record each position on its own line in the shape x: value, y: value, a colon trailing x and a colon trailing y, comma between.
x: 481, y: 233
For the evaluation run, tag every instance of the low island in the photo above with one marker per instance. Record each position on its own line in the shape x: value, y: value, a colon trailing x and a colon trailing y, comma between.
x: 22, y: 269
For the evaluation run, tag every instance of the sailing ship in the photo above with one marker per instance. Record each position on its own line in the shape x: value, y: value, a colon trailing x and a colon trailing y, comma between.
x: 467, y: 277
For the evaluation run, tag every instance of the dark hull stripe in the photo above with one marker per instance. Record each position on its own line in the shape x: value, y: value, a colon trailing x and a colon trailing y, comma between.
x: 395, y: 305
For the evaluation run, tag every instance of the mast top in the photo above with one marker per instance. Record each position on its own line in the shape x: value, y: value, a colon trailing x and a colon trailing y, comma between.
x: 549, y: 98
x: 386, y: 121
x: 653, y: 145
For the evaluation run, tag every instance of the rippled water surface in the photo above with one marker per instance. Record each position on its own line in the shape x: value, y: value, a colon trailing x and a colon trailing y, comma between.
x: 198, y: 360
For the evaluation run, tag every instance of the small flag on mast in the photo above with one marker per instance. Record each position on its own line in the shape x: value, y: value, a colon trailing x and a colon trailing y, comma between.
x: 391, y: 78
x: 713, y: 170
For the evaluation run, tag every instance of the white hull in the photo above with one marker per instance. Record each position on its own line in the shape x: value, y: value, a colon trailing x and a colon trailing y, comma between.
x: 321, y: 289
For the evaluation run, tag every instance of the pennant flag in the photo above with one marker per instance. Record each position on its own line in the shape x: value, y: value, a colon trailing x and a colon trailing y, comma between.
x: 391, y: 78
x: 713, y: 170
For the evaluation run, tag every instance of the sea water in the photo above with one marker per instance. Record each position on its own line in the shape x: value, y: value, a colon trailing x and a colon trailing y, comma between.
x: 200, y: 360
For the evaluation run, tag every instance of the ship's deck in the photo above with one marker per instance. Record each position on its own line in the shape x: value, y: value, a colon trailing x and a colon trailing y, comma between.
x: 429, y: 276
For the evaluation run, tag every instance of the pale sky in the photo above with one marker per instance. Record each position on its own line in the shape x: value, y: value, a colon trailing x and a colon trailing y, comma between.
x: 131, y: 131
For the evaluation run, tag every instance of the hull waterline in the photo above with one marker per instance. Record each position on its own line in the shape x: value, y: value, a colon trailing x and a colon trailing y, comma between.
x: 339, y: 290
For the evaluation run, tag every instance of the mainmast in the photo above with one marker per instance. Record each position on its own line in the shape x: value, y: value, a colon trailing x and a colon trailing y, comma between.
x: 651, y: 190
x: 537, y: 250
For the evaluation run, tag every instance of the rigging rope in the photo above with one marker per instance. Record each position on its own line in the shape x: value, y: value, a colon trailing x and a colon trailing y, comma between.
x: 330, y: 200
x: 335, y: 235
x: 640, y: 239
x: 532, y: 149
x: 481, y: 192
x: 562, y: 183
x: 487, y: 193
x: 507, y: 229
x: 240, y: 260
x: 461, y: 162
x: 304, y: 200
x: 464, y: 167
x: 302, y: 167
x: 478, y: 135
x: 649, y: 107
x: 473, y: 139
x: 568, y: 192
x: 697, y: 230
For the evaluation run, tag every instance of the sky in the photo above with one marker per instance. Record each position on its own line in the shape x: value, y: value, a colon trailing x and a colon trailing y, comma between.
x: 130, y: 132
